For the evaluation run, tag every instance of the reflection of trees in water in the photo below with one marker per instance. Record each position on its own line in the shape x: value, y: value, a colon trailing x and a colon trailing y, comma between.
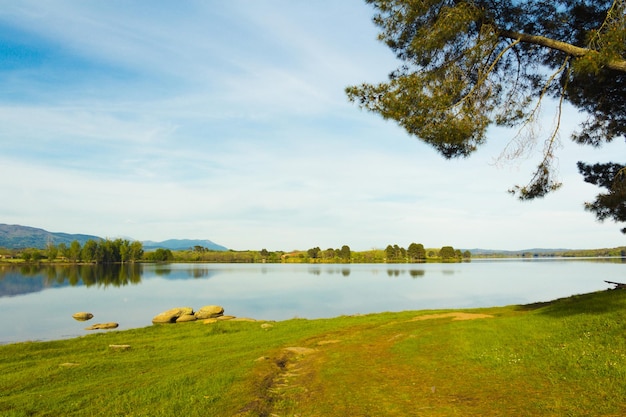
x: 200, y: 273
x: 318, y: 271
x: 394, y: 272
x: 417, y: 273
x: 89, y: 275
x: 162, y: 270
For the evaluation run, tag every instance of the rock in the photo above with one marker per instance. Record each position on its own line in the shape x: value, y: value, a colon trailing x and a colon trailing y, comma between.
x: 171, y: 315
x: 102, y: 326
x: 209, y: 312
x: 185, y: 318
x: 224, y: 318
x: 82, y: 316
x: 209, y: 321
x: 243, y: 319
x: 266, y: 326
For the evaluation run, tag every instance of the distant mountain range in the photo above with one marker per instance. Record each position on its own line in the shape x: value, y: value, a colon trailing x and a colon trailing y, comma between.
x: 182, y: 244
x: 13, y: 236
x: 19, y: 237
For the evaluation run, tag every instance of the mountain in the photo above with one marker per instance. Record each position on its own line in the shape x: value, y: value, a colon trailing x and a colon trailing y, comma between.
x: 13, y: 236
x: 182, y: 244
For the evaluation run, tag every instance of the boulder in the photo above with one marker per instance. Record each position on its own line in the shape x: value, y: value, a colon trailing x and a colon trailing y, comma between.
x: 82, y: 316
x: 102, y: 326
x: 185, y: 318
x: 209, y: 312
x: 171, y: 315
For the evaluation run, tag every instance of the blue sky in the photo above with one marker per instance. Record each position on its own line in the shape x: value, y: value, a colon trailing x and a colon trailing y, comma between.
x: 228, y: 121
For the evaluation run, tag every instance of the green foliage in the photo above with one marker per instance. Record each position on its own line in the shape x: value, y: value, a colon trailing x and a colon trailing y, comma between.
x: 447, y: 252
x: 611, y: 205
x: 160, y: 255
x: 416, y: 252
x: 74, y: 251
x: 467, y: 65
x: 314, y: 252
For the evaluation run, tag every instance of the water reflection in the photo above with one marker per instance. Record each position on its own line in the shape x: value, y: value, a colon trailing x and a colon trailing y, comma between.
x: 24, y: 279
x: 276, y: 292
x: 417, y: 273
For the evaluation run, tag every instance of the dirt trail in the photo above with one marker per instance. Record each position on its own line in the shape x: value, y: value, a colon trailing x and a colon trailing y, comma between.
x: 348, y: 373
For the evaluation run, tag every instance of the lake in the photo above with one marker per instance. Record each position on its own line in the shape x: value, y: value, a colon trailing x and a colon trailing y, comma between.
x: 38, y: 302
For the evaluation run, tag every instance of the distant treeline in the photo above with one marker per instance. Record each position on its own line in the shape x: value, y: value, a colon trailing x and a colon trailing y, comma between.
x: 580, y: 253
x: 121, y: 251
x: 392, y: 254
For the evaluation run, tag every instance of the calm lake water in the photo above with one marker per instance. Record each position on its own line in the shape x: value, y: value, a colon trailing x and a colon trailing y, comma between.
x: 38, y: 302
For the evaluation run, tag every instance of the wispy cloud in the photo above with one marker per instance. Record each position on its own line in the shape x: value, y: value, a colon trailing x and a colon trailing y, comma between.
x: 228, y: 121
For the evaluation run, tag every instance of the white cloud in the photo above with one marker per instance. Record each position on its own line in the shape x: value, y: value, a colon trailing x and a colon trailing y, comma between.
x: 229, y: 122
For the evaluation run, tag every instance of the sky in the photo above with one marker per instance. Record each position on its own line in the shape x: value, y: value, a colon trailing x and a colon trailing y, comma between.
x: 228, y: 121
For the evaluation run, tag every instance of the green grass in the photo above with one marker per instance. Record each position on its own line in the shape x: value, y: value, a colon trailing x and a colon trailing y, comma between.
x: 565, y: 358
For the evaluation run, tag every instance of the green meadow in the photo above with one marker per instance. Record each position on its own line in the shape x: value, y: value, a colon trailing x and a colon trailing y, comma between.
x: 563, y: 358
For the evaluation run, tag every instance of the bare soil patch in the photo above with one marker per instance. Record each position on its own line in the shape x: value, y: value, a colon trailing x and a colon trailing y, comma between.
x: 453, y: 316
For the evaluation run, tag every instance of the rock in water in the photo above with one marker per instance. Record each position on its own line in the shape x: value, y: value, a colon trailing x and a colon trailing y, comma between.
x: 172, y: 314
x: 102, y: 326
x: 82, y: 316
x: 209, y: 312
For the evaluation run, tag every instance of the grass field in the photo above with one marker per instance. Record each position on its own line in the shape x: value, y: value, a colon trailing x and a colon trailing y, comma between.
x: 564, y: 358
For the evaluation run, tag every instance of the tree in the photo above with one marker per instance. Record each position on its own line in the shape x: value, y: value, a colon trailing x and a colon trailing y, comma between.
x: 161, y: 255
x: 467, y: 65
x: 63, y: 250
x: 329, y: 253
x: 416, y: 252
x: 136, y: 251
x: 447, y: 252
x: 52, y: 251
x: 345, y: 253
x: 74, y: 251
x: 124, y: 249
x: 612, y: 177
x: 89, y: 251
x: 390, y: 253
x: 314, y: 252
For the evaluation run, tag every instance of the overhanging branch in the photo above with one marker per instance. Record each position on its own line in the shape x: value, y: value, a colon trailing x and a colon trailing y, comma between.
x: 577, y: 51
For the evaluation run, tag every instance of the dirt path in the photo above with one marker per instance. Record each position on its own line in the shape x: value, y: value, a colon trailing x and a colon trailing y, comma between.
x: 356, y: 373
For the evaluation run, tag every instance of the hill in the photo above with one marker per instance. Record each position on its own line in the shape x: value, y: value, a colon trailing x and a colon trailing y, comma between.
x: 13, y: 236
x: 182, y: 244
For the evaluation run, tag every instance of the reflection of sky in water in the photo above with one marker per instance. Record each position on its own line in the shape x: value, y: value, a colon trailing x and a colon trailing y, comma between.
x: 278, y: 292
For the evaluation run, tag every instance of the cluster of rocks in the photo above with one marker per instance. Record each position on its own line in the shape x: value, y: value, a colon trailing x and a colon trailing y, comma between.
x: 84, y: 316
x: 207, y: 314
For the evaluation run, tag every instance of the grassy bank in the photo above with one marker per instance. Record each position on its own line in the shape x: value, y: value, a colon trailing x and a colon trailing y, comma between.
x: 567, y: 357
